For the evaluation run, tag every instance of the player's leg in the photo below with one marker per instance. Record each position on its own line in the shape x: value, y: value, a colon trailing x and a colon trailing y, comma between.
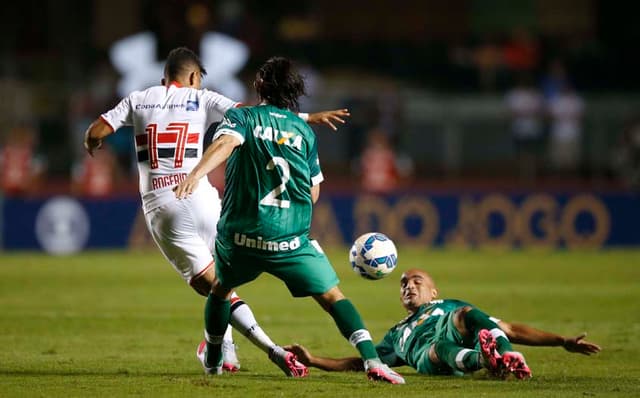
x: 471, y: 321
x: 455, y: 356
x: 309, y: 273
x: 450, y: 348
x: 206, y: 209
x: 495, y: 347
x: 202, y: 283
x: 217, y: 312
x: 350, y: 324
x: 244, y: 321
x: 182, y: 239
x: 246, y: 269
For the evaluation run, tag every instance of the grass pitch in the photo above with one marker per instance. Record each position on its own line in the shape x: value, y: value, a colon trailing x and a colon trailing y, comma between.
x: 114, y: 324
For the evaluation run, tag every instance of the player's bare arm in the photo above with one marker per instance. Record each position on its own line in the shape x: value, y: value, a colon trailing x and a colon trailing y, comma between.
x: 94, y: 135
x: 523, y: 334
x: 315, y: 193
x: 327, y: 364
x: 218, y: 152
x: 329, y: 118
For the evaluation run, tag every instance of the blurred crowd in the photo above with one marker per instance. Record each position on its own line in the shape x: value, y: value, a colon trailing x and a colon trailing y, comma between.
x: 543, y: 83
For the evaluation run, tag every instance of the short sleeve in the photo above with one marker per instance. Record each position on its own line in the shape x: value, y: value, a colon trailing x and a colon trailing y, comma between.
x: 216, y: 105
x: 233, y: 123
x: 386, y: 352
x: 120, y: 115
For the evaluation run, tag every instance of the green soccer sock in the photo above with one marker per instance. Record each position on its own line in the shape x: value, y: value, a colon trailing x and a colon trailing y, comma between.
x: 457, y: 357
x: 476, y: 320
x: 217, y: 312
x: 348, y: 320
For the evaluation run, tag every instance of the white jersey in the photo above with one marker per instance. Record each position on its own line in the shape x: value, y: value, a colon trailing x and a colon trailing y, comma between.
x: 169, y: 126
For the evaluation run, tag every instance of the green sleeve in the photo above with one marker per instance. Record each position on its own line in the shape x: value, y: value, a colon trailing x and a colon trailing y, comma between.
x: 234, y: 123
x: 387, y: 353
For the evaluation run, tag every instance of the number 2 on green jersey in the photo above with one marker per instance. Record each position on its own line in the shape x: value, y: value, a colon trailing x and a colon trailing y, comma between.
x: 271, y: 198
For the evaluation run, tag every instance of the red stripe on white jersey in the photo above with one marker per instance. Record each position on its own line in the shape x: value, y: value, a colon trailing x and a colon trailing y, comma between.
x: 181, y: 130
x: 152, y: 132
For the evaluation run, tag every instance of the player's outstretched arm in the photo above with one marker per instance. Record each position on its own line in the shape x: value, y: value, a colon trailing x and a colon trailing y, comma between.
x: 328, y: 364
x: 214, y: 156
x: 94, y: 135
x: 329, y: 118
x: 523, y: 334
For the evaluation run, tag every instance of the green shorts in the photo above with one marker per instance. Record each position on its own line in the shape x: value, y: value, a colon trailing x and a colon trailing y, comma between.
x: 306, y: 271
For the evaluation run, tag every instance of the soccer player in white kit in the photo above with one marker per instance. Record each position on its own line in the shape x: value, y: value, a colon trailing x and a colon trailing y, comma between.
x: 169, y: 123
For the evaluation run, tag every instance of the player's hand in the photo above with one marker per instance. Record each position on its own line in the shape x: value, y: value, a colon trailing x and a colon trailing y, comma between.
x: 579, y: 345
x: 301, y: 352
x: 91, y: 144
x: 329, y: 118
x: 186, y: 187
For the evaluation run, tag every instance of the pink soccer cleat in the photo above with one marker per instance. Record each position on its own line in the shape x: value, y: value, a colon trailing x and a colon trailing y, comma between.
x: 491, y: 358
x: 514, y: 363
x: 288, y: 362
x: 378, y: 371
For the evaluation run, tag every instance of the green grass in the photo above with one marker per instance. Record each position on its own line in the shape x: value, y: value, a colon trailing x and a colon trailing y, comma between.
x: 112, y: 324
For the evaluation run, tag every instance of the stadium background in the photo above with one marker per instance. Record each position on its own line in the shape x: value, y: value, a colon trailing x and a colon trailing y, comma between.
x: 432, y: 81
x: 433, y: 84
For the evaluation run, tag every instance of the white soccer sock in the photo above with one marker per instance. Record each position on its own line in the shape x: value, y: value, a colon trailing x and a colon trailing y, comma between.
x: 228, y: 336
x: 243, y: 320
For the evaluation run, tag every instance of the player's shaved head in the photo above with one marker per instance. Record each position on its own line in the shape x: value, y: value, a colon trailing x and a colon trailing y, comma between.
x: 417, y: 287
x: 180, y: 62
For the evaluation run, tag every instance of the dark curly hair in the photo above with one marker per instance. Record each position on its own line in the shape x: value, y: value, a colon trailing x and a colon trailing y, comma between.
x: 180, y: 60
x: 279, y: 84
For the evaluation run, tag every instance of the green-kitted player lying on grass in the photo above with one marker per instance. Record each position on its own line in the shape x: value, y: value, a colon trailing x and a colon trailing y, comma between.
x: 450, y: 337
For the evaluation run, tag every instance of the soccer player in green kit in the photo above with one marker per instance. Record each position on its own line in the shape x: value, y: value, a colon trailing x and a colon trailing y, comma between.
x: 272, y: 180
x: 450, y: 337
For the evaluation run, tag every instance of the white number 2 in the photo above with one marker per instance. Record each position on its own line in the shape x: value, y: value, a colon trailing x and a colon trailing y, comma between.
x: 271, y: 198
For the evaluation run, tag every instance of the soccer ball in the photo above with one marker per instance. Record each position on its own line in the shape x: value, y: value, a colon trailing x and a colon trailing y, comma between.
x: 373, y: 255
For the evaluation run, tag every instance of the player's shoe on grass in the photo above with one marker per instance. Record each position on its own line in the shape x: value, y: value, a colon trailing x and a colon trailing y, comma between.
x: 201, y: 353
x: 230, y: 361
x: 514, y: 363
x: 378, y: 371
x: 492, y: 360
x: 288, y: 362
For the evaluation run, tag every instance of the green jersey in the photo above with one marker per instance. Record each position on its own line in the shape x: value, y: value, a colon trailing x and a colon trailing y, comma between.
x: 267, y: 206
x: 409, y: 340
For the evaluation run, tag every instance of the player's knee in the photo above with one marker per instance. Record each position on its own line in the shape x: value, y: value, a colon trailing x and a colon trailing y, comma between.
x: 202, y: 283
x: 203, y: 291
x: 459, y: 319
x: 329, y: 298
x: 433, y: 354
x: 221, y: 291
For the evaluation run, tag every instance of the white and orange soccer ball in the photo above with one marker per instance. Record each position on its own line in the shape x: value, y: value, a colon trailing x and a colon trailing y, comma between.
x: 373, y: 255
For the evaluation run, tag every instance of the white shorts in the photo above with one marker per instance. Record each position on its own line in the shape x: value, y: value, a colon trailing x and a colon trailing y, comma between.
x: 185, y: 231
